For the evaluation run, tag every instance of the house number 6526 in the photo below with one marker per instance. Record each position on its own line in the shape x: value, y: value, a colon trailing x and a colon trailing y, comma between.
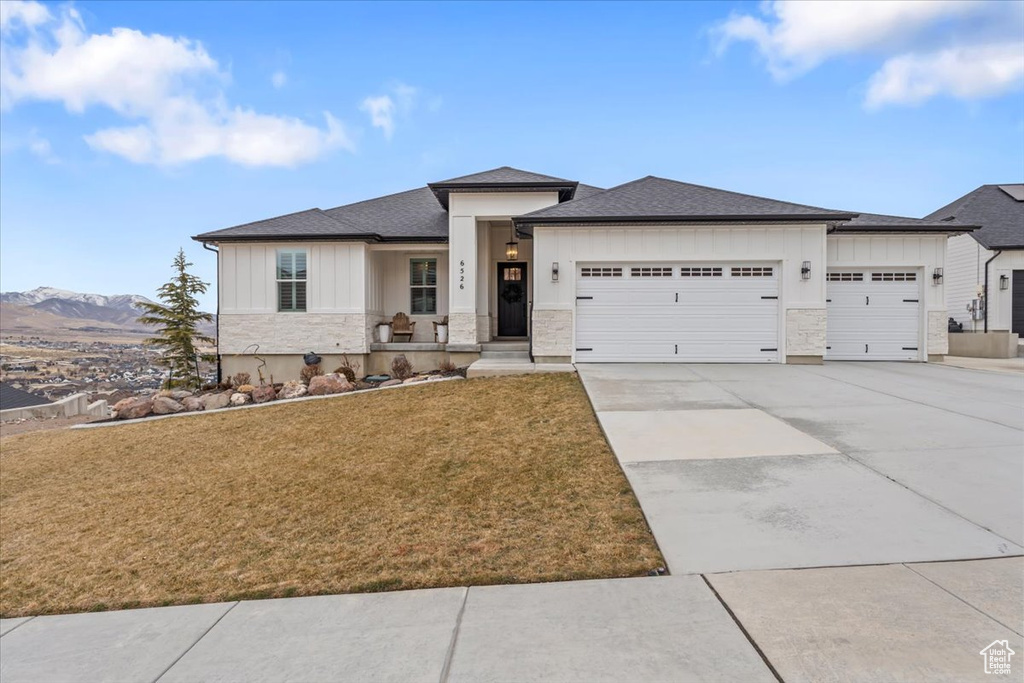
x: 462, y: 274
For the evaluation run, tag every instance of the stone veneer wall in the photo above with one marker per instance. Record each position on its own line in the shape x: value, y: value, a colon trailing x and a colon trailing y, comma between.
x: 462, y: 328
x: 287, y: 333
x: 552, y: 333
x: 938, y: 333
x: 805, y: 331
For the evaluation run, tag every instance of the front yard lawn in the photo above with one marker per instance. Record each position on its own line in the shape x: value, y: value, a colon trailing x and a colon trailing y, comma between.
x: 497, y: 480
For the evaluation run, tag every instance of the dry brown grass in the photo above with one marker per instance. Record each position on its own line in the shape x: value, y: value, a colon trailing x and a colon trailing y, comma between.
x: 482, y: 481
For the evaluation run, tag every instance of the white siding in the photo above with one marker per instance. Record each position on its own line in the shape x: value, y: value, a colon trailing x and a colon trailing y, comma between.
x: 965, y: 260
x: 336, y: 280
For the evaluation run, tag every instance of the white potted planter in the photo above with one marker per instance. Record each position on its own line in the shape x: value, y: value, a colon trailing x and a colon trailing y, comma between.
x: 384, y: 332
x: 442, y: 333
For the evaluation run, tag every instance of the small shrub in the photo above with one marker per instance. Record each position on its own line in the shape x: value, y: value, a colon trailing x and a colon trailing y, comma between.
x: 447, y: 367
x: 348, y: 368
x: 240, y: 379
x: 401, y: 368
x: 309, y: 372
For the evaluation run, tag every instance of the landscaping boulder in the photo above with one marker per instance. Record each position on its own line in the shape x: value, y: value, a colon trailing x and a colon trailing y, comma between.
x: 292, y: 389
x: 263, y: 394
x: 192, y: 403
x: 164, y: 405
x: 245, y: 389
x: 215, y: 401
x: 180, y: 394
x: 391, y: 383
x: 321, y: 385
x: 413, y: 380
x: 240, y: 399
x: 131, y: 408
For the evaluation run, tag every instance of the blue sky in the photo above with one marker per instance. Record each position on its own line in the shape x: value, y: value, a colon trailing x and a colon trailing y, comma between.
x: 125, y: 128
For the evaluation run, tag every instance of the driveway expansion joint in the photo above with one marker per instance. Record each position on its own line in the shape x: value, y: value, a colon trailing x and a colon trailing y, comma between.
x: 201, y: 636
x: 743, y: 630
x: 975, y: 608
x: 450, y: 654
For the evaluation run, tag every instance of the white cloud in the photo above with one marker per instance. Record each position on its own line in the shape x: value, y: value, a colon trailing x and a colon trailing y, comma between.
x: 27, y: 14
x: 966, y: 73
x: 400, y: 101
x: 41, y: 147
x: 381, y: 109
x: 794, y: 37
x: 279, y: 78
x: 155, y: 81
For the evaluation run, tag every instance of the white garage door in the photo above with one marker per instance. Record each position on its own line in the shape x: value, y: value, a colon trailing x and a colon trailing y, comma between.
x: 873, y: 314
x: 672, y: 312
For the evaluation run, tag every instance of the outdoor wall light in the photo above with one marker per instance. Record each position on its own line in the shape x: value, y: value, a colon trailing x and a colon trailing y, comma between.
x: 937, y: 276
x: 1004, y: 281
x: 554, y: 271
x: 805, y: 270
x: 511, y: 247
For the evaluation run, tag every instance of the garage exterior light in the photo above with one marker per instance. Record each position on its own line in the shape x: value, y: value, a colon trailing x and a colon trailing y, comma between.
x: 1004, y: 281
x: 805, y: 270
x: 554, y: 271
x: 937, y: 276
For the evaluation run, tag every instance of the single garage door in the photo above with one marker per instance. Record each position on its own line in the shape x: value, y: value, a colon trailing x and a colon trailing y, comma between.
x: 873, y: 314
x: 677, y: 312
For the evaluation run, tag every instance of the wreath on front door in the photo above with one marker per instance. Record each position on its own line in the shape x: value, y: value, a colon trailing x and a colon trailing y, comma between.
x: 512, y: 294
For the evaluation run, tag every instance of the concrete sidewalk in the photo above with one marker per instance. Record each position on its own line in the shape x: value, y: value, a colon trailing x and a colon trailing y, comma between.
x: 918, y: 622
x: 653, y: 629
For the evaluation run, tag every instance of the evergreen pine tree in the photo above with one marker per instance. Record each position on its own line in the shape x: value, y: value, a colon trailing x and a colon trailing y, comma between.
x: 177, y: 321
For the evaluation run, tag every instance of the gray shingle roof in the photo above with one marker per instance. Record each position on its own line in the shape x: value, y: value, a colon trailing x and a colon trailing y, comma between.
x: 996, y: 210
x: 16, y: 398
x: 308, y: 224
x: 414, y: 213
x: 659, y: 199
x: 876, y: 222
x: 505, y: 175
x: 504, y: 179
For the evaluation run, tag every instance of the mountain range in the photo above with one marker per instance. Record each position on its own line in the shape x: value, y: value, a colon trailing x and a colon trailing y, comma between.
x: 46, y: 310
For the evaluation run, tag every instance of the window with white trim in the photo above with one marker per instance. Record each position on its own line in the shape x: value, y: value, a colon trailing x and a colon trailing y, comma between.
x: 423, y: 286
x: 291, y: 280
x: 651, y: 271
x: 893, y: 277
x: 845, y: 277
x: 600, y: 272
x: 752, y: 271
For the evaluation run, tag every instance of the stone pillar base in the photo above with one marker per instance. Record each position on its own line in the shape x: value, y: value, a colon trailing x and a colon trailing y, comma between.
x: 804, y: 360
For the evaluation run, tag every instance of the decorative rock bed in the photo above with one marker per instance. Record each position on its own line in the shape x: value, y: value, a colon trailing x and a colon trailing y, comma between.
x: 168, y: 402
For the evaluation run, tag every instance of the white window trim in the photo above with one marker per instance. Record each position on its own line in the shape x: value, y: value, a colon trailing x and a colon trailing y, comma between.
x: 279, y: 280
x: 414, y: 287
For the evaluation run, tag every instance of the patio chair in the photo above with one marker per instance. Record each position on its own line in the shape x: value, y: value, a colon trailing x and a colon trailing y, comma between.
x: 402, y: 327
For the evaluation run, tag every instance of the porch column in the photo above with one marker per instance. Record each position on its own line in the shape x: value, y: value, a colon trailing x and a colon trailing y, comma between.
x: 483, y: 279
x: 462, y: 273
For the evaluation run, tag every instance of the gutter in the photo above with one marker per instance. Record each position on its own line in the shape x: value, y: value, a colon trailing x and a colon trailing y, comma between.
x: 216, y: 324
x: 985, y: 288
x: 619, y: 220
x: 374, y: 238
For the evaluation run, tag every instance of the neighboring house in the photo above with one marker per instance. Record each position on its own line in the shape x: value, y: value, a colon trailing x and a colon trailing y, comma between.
x: 10, y: 398
x: 999, y: 243
x: 652, y: 270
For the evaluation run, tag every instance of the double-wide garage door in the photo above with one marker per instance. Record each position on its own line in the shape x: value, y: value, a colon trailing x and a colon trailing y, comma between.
x: 677, y: 312
x: 873, y: 314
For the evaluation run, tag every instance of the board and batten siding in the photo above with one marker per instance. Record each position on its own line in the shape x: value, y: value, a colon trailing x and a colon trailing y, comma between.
x: 965, y: 275
x: 786, y: 245
x: 334, y: 320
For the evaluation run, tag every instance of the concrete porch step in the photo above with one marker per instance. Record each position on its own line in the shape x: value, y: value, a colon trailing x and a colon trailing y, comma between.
x: 505, y: 346
x: 490, y: 367
x: 506, y: 355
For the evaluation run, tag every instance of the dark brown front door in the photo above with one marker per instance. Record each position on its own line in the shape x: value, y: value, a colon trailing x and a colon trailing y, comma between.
x: 512, y: 293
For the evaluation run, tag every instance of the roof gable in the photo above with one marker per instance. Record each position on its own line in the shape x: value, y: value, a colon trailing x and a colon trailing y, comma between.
x: 503, y: 179
x: 993, y: 207
x: 661, y: 199
x: 414, y: 213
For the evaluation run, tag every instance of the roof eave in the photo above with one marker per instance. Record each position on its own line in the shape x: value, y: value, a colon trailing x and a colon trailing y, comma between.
x: 619, y: 220
x: 210, y: 239
x: 951, y: 230
x: 565, y: 190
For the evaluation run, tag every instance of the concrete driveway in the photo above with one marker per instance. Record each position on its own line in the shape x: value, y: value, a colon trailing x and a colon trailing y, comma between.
x: 744, y: 467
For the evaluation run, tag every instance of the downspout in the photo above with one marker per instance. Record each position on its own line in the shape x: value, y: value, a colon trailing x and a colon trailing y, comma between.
x: 216, y: 332
x: 985, y: 287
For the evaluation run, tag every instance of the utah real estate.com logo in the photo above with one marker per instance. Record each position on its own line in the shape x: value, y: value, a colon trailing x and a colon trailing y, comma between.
x: 997, y: 657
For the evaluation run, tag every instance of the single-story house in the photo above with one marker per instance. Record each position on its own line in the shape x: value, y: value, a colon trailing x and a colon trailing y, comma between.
x: 653, y: 270
x: 995, y: 250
